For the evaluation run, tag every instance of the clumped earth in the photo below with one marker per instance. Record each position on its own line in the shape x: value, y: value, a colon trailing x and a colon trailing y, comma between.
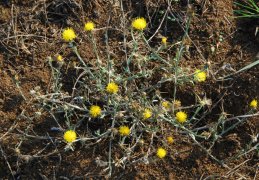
x: 31, y: 31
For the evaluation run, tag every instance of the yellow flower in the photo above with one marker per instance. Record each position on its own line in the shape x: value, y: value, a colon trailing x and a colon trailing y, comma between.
x: 181, y: 116
x: 166, y: 104
x: 59, y: 58
x: 70, y: 136
x: 161, y: 153
x: 69, y: 34
x: 112, y: 88
x: 139, y: 23
x: 164, y: 40
x: 95, y: 111
x: 124, y: 130
x: 147, y: 114
x: 253, y: 103
x: 170, y: 139
x: 200, y: 76
x: 89, y: 26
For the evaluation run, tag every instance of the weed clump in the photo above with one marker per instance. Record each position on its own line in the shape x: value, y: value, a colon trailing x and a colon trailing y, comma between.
x: 131, y: 109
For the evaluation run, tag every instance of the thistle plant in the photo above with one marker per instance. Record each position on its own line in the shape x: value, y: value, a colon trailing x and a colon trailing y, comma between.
x: 125, y: 102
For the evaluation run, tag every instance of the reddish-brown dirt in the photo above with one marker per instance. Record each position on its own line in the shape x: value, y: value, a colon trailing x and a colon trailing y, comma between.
x: 30, y: 32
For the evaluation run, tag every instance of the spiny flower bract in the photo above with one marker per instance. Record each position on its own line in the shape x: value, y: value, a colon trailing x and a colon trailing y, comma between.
x: 177, y: 103
x: 147, y: 114
x: 89, y: 26
x: 254, y: 103
x: 181, y: 116
x: 139, y: 23
x: 70, y: 136
x: 161, y: 153
x: 124, y: 130
x: 112, y: 88
x: 69, y: 34
x: 200, y: 76
x: 95, y: 111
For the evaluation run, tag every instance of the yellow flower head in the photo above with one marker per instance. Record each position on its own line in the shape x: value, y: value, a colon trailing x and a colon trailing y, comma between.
x: 181, y: 116
x: 161, y: 153
x: 139, y: 23
x: 59, y: 58
x: 124, y: 130
x: 166, y: 104
x: 253, y: 103
x: 147, y: 114
x: 69, y: 34
x: 112, y: 88
x: 70, y: 136
x: 200, y: 76
x: 164, y: 40
x: 89, y: 26
x: 95, y: 111
x: 170, y: 139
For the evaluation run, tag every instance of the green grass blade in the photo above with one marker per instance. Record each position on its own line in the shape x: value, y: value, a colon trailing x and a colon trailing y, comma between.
x: 254, y: 5
x: 245, y: 6
x: 243, y: 69
x: 248, y: 66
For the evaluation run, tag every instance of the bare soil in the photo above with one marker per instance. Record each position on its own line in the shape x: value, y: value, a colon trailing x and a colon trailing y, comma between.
x: 30, y: 31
